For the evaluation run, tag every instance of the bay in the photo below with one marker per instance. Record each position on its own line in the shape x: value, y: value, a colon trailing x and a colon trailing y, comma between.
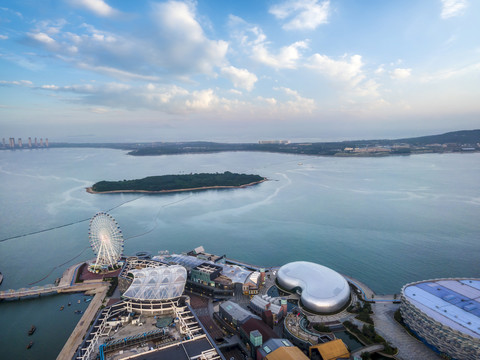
x: 385, y: 221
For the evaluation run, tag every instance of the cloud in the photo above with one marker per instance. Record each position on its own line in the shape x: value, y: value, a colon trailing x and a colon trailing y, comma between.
x: 452, y: 8
x: 347, y: 70
x: 253, y: 42
x: 302, y: 14
x: 346, y: 73
x: 98, y: 7
x: 184, y: 44
x: 42, y: 38
x: 171, y: 44
x: 26, y: 83
x: 445, y: 74
x: 296, y: 103
x: 3, y: 37
x: 286, y: 58
x: 400, y: 74
x: 241, y: 78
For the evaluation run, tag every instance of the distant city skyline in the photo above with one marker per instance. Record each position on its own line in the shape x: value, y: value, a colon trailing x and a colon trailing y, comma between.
x: 316, y: 70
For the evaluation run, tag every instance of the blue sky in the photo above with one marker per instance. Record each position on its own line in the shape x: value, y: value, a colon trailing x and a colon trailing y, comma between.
x: 104, y: 70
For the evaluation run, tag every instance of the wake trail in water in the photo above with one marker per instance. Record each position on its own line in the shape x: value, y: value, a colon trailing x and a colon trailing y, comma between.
x: 131, y: 237
x: 64, y: 225
x: 156, y: 218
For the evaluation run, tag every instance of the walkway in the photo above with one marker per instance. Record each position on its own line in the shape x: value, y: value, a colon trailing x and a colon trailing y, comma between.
x: 76, y: 337
x: 370, y: 349
x: 409, y: 347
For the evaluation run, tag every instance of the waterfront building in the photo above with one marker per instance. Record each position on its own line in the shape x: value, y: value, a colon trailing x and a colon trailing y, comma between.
x: 322, y: 289
x: 270, y: 350
x: 229, y: 280
x: 161, y: 283
x: 330, y: 350
x: 254, y: 332
x: 262, y: 303
x: 445, y: 314
x: 234, y: 314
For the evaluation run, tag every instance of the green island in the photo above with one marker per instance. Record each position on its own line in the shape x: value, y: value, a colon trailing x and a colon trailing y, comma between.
x: 172, y: 183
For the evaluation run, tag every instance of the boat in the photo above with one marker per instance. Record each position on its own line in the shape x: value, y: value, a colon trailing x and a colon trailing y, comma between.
x: 88, y: 300
x: 78, y: 311
x: 78, y: 302
x: 32, y: 330
x: 62, y: 307
x: 30, y: 344
x: 1, y: 277
x: 69, y: 303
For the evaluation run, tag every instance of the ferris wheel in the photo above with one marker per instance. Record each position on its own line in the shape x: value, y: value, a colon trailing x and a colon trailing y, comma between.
x: 106, y: 240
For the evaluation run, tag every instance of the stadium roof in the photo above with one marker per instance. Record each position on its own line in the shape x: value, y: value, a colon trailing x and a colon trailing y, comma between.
x: 323, y: 289
x: 455, y: 303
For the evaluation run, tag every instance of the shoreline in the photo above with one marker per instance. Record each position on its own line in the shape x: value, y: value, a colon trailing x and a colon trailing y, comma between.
x: 217, y: 187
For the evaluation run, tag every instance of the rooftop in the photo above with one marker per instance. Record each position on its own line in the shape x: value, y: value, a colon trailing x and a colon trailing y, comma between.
x: 323, y: 290
x: 455, y: 303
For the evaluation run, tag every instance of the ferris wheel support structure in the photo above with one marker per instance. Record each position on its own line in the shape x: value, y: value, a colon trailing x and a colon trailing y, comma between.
x: 106, y: 240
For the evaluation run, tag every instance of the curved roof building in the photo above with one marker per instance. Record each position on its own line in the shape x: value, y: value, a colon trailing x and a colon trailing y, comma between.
x: 445, y: 313
x: 323, y: 289
x: 160, y: 283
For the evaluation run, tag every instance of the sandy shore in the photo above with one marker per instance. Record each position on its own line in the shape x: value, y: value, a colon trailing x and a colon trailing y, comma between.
x: 90, y: 190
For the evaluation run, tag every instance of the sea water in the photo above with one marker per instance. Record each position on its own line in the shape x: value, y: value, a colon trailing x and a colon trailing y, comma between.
x: 385, y: 221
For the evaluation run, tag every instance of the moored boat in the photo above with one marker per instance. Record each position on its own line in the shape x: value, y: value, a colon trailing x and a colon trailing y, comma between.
x: 30, y: 344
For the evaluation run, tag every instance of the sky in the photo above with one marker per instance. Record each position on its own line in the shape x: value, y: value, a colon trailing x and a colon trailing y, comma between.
x: 238, y: 70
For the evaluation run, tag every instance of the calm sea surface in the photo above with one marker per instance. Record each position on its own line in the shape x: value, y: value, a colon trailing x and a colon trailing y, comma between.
x: 385, y: 221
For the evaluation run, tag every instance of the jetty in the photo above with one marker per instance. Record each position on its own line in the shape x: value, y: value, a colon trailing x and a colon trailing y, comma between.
x: 65, y: 285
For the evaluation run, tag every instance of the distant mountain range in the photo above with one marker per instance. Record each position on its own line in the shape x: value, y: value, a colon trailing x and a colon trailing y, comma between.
x: 455, y: 141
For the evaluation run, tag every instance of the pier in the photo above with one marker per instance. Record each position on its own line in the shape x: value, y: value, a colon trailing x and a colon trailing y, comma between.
x: 65, y: 285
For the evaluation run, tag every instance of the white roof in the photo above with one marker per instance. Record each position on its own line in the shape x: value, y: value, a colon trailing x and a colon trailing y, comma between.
x: 160, y: 283
x: 445, y: 308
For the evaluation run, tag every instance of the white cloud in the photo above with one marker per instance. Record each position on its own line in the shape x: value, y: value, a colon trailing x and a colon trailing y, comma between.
x: 3, y: 37
x: 27, y: 83
x: 241, y: 78
x: 202, y: 100
x: 117, y: 73
x: 270, y: 101
x: 50, y: 87
x: 98, y: 7
x: 452, y: 8
x: 286, y: 58
x: 297, y: 103
x: 302, y: 14
x: 185, y: 46
x: 347, y: 70
x: 42, y: 38
x: 400, y: 73
x: 174, y: 46
x: 445, y: 74
x: 254, y: 42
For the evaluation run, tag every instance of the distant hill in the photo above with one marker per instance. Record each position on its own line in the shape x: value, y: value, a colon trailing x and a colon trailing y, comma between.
x: 458, y: 137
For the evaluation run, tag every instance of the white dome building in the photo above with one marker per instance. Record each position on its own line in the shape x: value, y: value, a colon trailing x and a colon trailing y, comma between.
x: 160, y: 283
x: 322, y: 289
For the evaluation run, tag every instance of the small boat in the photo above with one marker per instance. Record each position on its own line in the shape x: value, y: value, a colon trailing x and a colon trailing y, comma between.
x: 88, y: 300
x: 78, y: 311
x: 62, y: 307
x: 78, y: 302
x: 69, y: 304
x: 1, y: 277
x: 32, y: 330
x: 30, y: 344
